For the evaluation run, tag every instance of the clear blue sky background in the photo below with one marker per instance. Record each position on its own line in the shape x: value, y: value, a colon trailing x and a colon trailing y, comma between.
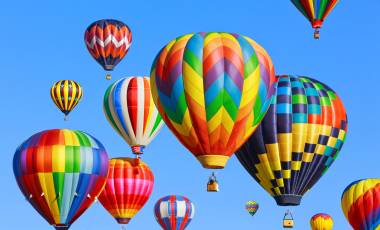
x: 42, y: 42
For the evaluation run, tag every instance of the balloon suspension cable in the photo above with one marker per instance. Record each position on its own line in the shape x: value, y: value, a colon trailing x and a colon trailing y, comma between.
x: 316, y: 33
x: 123, y: 227
x: 66, y: 118
x: 108, y: 76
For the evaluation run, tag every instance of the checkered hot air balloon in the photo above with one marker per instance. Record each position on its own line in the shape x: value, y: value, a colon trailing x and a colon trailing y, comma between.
x: 128, y: 188
x: 315, y: 11
x: 298, y: 139
x: 108, y: 41
x: 129, y: 108
x: 174, y: 212
x: 61, y: 172
x: 361, y: 204
x: 321, y: 221
x: 66, y: 94
x: 212, y: 90
x: 252, y: 207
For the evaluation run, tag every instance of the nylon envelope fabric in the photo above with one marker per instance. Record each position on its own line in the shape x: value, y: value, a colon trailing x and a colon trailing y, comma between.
x: 321, y: 221
x: 252, y: 207
x: 315, y: 11
x: 108, y: 41
x: 212, y: 90
x: 66, y: 94
x: 61, y: 172
x: 129, y: 108
x: 174, y: 212
x: 297, y: 141
x: 361, y: 204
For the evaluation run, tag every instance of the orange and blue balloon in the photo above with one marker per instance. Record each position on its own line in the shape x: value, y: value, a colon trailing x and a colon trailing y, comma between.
x: 174, y: 212
x: 61, y: 172
x: 212, y: 90
x: 361, y: 204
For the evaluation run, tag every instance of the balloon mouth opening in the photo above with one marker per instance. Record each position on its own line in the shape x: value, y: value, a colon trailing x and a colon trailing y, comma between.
x: 61, y: 227
x: 108, y: 67
x: 213, y: 161
x: 288, y: 200
x: 317, y: 24
x: 123, y: 220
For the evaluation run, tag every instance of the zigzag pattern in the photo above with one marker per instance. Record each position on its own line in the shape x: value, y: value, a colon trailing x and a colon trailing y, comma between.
x: 315, y: 11
x: 128, y: 188
x: 361, y: 204
x: 212, y: 90
x: 108, y: 41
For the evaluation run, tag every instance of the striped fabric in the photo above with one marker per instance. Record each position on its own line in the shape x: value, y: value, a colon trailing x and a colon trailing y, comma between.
x: 321, y: 221
x: 108, y: 41
x: 297, y: 141
x: 315, y: 10
x: 128, y: 188
x: 174, y: 212
x: 129, y: 108
x: 212, y: 90
x: 361, y: 204
x: 66, y: 94
x: 61, y: 172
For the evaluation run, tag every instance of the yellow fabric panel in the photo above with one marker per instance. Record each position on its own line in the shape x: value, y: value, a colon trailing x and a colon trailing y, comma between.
x: 342, y: 134
x: 193, y: 84
x: 332, y: 142
x: 47, y: 186
x: 320, y: 149
x: 285, y: 146
x: 287, y: 173
x: 313, y: 131
x: 221, y: 118
x: 58, y: 158
x: 307, y: 157
x: 296, y: 165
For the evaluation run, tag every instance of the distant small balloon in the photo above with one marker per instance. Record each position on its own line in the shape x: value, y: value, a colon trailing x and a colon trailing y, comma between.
x: 252, y: 207
x: 66, y: 94
x: 321, y: 221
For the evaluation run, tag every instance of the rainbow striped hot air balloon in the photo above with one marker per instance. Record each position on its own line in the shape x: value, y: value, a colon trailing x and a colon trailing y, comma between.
x: 66, y: 94
x: 174, y: 212
x: 252, y: 207
x: 61, y: 172
x: 128, y: 188
x: 321, y: 221
x: 129, y: 108
x: 315, y: 11
x: 361, y: 204
x: 212, y: 90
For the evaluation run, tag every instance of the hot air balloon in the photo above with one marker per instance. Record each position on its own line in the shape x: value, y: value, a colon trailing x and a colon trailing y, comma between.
x: 174, y: 212
x: 361, y: 204
x: 212, y: 90
x: 128, y: 188
x: 66, y: 94
x: 252, y: 207
x: 108, y: 41
x: 321, y: 221
x: 297, y: 141
x: 315, y: 11
x: 61, y: 172
x: 130, y: 110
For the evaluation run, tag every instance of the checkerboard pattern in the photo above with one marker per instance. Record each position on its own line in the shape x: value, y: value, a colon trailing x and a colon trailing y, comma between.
x: 298, y: 139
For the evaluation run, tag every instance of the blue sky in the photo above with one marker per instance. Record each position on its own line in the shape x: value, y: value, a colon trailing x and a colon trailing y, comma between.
x: 42, y: 42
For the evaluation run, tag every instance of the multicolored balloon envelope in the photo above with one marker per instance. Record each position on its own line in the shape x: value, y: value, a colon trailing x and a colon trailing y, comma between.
x: 130, y: 110
x: 252, y: 207
x: 297, y: 141
x: 66, y: 94
x: 61, y: 172
x: 212, y: 90
x: 321, y: 221
x: 315, y: 11
x: 108, y: 41
x: 128, y: 188
x: 361, y: 204
x: 174, y: 212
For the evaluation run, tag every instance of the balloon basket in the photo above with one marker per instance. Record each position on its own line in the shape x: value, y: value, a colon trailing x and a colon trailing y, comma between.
x: 316, y: 34
x: 288, y: 221
x: 212, y: 184
x: 108, y: 76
